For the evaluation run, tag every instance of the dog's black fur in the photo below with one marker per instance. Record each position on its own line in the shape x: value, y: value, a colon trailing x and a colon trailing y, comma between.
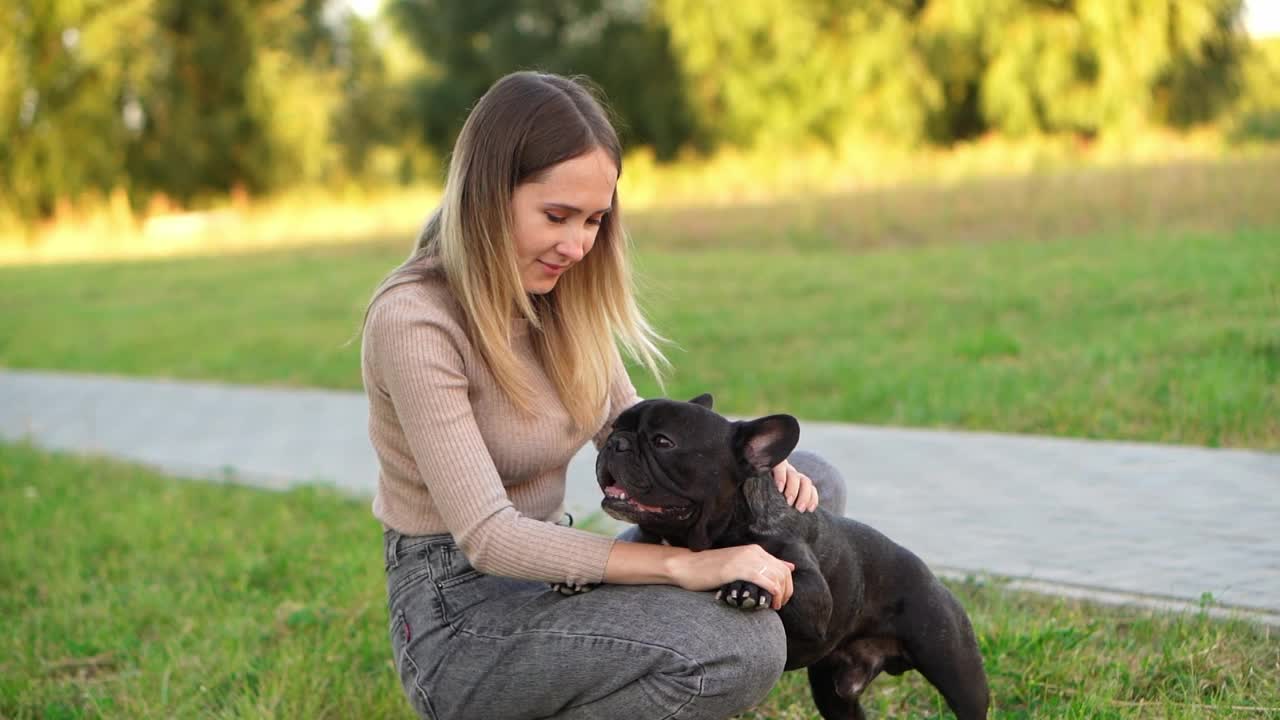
x: 862, y: 603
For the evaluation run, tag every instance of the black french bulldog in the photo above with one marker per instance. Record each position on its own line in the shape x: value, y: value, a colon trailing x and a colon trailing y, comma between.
x: 862, y: 603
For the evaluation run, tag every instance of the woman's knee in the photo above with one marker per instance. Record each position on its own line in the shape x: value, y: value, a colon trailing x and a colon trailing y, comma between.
x: 763, y: 661
x: 742, y: 669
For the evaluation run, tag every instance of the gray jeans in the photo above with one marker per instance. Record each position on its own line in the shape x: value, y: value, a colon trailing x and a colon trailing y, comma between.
x: 469, y: 645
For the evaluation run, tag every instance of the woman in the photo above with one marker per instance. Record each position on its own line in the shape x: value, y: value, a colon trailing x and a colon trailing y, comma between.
x: 489, y: 359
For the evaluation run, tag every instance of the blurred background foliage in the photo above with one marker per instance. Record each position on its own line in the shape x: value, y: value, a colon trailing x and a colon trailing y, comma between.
x: 154, y: 105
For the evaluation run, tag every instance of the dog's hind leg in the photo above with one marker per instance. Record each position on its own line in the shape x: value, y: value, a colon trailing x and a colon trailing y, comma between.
x: 832, y: 705
x: 943, y: 648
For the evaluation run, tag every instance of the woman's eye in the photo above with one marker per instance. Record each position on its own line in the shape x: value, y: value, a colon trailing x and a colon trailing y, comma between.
x: 595, y: 221
x: 663, y: 442
x: 556, y: 219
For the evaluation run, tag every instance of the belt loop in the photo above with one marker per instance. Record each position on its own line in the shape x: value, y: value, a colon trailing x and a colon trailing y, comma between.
x: 392, y: 548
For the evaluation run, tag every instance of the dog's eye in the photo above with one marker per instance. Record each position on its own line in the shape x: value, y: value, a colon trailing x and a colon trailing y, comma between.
x: 663, y: 442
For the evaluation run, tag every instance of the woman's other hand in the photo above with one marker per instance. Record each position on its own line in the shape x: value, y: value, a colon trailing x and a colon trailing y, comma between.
x: 796, y: 486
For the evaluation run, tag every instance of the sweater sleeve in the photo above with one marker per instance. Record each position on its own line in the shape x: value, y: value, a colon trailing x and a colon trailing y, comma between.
x: 622, y: 395
x: 421, y: 368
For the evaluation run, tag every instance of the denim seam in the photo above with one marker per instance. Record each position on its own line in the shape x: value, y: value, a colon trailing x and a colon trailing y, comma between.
x: 702, y: 672
x: 391, y: 550
x: 417, y: 682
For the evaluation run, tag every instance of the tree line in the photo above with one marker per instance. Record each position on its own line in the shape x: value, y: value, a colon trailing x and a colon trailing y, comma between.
x: 195, y: 98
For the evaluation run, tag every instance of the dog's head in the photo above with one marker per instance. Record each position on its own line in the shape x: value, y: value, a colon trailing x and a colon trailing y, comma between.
x: 675, y: 468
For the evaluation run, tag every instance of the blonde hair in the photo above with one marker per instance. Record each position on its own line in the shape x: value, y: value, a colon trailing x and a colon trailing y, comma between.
x: 524, y: 125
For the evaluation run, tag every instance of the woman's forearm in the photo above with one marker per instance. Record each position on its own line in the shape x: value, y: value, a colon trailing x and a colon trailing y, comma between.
x: 644, y: 564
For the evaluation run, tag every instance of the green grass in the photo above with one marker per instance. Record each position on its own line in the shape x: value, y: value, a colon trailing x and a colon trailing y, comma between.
x: 1171, y: 337
x: 1166, y: 339
x: 126, y: 594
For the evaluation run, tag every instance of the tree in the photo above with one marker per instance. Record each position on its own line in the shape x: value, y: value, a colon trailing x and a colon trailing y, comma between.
x: 372, y: 111
x: 936, y: 71
x: 233, y: 104
x: 778, y: 71
x: 1097, y: 65
x: 70, y: 76
x: 621, y: 46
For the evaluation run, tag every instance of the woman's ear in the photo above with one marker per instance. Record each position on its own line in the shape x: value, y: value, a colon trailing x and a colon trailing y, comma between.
x: 767, y: 441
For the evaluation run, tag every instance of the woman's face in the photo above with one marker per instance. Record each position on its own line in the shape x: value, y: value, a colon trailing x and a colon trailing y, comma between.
x: 557, y: 217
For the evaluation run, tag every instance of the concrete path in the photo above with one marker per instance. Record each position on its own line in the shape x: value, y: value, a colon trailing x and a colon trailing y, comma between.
x: 1111, y: 521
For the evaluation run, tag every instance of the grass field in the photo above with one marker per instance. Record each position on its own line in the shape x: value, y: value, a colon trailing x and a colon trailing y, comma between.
x: 126, y: 594
x: 1170, y: 337
x: 1127, y: 304
x: 865, y: 196
x: 1198, y: 197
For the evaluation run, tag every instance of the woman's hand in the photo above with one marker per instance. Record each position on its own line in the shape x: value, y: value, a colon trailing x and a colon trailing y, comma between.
x: 711, y: 569
x: 796, y: 486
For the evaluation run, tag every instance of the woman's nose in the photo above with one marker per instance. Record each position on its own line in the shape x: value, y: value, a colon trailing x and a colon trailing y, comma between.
x: 575, y: 246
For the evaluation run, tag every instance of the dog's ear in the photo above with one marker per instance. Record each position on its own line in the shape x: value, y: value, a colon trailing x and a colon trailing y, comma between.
x: 704, y: 400
x: 767, y: 441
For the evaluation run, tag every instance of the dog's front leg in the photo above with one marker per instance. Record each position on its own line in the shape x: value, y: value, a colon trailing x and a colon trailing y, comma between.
x: 808, y: 615
x: 568, y: 588
x: 747, y: 595
x: 808, y: 611
x: 744, y: 595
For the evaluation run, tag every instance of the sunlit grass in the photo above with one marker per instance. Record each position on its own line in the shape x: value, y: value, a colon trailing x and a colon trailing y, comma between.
x: 1220, y: 197
x: 127, y: 594
x: 842, y: 197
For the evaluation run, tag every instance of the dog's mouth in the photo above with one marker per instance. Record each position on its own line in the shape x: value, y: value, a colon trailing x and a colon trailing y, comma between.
x: 617, y: 501
x: 615, y: 494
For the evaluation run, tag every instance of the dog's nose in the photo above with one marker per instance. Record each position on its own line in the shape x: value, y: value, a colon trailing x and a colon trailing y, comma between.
x: 617, y: 443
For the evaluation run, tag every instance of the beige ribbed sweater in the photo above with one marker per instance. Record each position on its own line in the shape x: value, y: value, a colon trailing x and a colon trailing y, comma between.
x: 457, y: 456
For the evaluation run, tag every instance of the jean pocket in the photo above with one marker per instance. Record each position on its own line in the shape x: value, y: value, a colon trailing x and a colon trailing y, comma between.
x: 409, y: 667
x: 455, y: 567
x: 408, y: 577
x: 460, y: 594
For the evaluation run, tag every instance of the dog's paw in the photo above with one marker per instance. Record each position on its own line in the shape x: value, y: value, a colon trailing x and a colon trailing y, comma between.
x: 744, y: 596
x: 572, y: 589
